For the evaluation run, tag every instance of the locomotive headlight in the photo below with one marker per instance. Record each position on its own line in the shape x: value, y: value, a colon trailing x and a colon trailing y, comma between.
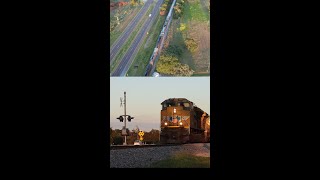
x: 165, y: 123
x: 180, y: 123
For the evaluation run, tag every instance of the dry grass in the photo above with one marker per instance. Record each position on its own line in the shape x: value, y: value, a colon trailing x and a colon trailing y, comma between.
x: 196, y: 18
x: 201, y: 34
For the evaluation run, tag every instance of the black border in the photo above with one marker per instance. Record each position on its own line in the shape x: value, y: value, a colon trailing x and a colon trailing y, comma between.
x: 64, y: 96
x: 216, y: 101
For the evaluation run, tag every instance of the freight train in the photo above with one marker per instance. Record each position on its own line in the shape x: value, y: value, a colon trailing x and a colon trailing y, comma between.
x: 160, y: 41
x: 183, y: 122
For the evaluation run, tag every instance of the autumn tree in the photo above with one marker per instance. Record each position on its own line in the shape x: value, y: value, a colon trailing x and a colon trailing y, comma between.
x: 134, y: 2
x: 182, y: 26
x: 164, y: 6
x: 191, y: 44
x: 170, y: 65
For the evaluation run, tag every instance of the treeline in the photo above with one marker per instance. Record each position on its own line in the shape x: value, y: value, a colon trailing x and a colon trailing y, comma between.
x: 151, y: 137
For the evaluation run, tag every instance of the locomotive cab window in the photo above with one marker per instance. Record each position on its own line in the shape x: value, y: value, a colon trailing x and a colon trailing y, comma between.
x: 186, y: 106
x: 164, y: 106
x: 168, y: 104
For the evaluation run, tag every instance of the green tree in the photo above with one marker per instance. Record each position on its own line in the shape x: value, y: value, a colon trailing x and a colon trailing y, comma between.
x: 114, y: 134
x: 173, y: 50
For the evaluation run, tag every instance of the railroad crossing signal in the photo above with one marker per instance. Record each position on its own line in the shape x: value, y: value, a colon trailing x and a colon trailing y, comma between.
x: 120, y: 118
x: 130, y: 118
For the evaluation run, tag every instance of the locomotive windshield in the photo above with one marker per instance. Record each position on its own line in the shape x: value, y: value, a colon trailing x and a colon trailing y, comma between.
x: 168, y: 104
x: 186, y: 104
x: 177, y: 102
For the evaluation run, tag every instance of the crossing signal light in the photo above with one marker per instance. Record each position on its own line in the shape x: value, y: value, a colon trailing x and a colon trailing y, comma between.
x: 120, y: 118
x: 129, y: 118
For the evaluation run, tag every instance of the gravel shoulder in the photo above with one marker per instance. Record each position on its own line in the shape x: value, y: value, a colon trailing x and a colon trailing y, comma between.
x: 144, y: 157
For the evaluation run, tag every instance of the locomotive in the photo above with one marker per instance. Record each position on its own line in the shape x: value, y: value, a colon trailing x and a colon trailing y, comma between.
x: 183, y: 122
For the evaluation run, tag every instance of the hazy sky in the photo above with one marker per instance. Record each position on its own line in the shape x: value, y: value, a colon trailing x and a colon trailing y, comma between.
x: 144, y: 96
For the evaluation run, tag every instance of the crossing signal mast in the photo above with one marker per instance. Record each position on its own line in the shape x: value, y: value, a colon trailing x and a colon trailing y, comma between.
x: 124, y: 117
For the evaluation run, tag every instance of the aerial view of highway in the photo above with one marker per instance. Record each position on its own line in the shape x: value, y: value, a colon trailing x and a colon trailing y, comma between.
x: 126, y: 60
x: 124, y: 36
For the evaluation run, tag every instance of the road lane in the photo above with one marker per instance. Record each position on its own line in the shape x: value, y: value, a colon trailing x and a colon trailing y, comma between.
x: 124, y: 36
x: 126, y: 61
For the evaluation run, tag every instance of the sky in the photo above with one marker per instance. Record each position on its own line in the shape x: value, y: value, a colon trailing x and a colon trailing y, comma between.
x: 144, y: 96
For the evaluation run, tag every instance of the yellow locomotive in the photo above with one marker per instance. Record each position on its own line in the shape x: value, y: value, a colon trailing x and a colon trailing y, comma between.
x: 183, y: 122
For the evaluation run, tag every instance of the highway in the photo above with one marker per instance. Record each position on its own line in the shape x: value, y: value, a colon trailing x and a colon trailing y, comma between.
x: 126, y: 61
x: 124, y: 36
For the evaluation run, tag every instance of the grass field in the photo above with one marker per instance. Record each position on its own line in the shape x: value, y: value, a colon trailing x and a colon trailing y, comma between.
x: 196, y: 17
x: 177, y: 38
x: 194, y: 11
x: 183, y: 161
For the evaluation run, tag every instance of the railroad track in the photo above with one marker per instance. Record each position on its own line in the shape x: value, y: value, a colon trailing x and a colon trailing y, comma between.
x: 113, y: 147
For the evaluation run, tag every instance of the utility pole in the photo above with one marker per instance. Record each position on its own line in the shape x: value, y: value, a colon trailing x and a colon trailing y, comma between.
x: 125, y: 119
